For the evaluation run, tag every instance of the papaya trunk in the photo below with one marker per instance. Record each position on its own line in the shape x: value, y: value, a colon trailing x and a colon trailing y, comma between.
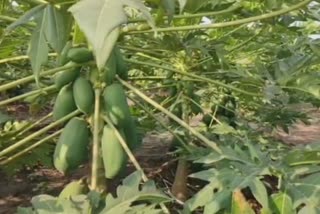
x: 179, y: 187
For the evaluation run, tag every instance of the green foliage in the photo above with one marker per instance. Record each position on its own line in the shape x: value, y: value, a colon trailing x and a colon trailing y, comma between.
x: 131, y: 198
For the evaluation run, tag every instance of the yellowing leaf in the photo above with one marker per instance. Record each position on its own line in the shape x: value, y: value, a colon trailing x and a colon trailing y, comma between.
x: 239, y: 204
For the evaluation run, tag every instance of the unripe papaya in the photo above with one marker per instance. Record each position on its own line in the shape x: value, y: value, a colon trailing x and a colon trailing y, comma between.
x: 73, y: 189
x: 72, y: 147
x: 113, y: 154
x: 83, y: 95
x: 122, y: 67
x: 116, y: 105
x: 80, y: 55
x: 63, y: 57
x: 110, y: 70
x: 67, y: 76
x: 64, y: 103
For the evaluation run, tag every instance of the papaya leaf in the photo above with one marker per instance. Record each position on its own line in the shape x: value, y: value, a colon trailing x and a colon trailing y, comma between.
x: 129, y: 192
x: 57, y: 27
x: 28, y: 16
x: 259, y: 191
x: 282, y: 203
x: 98, y: 19
x: 38, y: 49
x: 305, y: 190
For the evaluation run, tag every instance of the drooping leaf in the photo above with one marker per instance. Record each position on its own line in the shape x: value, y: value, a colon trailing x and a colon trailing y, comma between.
x: 57, y: 27
x: 97, y: 19
x: 38, y: 48
x: 282, y: 203
x: 25, y: 18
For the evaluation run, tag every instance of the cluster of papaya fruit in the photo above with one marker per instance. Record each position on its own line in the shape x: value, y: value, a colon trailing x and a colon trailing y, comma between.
x: 77, y: 92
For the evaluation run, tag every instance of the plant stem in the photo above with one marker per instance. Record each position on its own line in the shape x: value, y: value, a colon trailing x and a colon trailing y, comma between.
x: 96, y: 141
x: 135, y: 49
x: 24, y: 151
x: 148, y: 78
x: 131, y: 156
x: 38, y: 133
x: 179, y: 186
x: 193, y: 76
x: 226, y: 24
x: 200, y: 136
x: 31, y: 78
x: 34, y: 124
x: 23, y: 57
x: 22, y: 96
x: 7, y: 18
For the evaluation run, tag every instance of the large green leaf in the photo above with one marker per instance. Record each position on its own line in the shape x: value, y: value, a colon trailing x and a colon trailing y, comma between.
x: 57, y: 27
x: 305, y: 190
x: 97, y: 19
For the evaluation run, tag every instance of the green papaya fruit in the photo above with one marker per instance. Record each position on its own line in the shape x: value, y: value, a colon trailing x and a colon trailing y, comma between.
x: 113, y: 154
x: 64, y: 103
x: 80, y: 55
x: 67, y: 76
x: 116, y: 105
x: 122, y: 67
x: 72, y: 148
x: 110, y: 69
x: 83, y: 95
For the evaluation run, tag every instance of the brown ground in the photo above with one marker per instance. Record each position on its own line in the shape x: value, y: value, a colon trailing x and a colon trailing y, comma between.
x: 153, y: 157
